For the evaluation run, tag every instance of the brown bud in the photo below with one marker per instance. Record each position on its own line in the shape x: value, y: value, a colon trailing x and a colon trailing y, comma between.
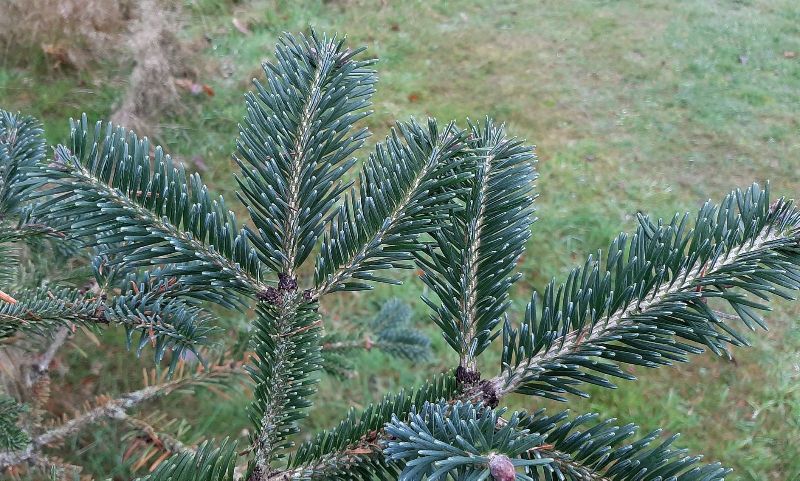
x: 489, y: 393
x: 466, y: 376
x: 501, y: 468
x: 270, y: 295
x: 286, y: 283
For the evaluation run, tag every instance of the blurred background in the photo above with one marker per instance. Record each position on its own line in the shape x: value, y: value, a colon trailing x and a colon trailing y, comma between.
x: 647, y: 106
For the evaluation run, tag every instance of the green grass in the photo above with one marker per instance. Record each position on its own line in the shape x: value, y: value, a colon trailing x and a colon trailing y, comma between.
x: 634, y: 106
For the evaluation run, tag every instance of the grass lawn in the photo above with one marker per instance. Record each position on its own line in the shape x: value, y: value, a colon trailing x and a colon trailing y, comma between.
x: 647, y: 106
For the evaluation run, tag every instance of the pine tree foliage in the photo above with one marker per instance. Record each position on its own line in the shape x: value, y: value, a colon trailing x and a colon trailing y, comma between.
x: 390, y: 331
x: 455, y: 203
x: 151, y: 306
x: 651, y: 302
x: 22, y: 146
x: 584, y: 447
x: 167, y: 326
x: 296, y: 141
x: 459, y: 441
x: 402, y: 193
x: 287, y: 353
x: 471, y: 268
x: 146, y: 210
x: 355, y: 444
x: 12, y: 437
x: 392, y: 201
x: 746, y: 236
x: 208, y: 463
x: 40, y: 311
x: 407, y: 343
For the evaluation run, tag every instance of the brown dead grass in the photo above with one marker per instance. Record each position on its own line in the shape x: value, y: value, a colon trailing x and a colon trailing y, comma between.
x: 160, y: 59
x: 76, y: 35
x: 67, y: 33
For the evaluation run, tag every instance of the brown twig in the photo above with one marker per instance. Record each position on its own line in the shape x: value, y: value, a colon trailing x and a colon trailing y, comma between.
x: 110, y: 409
x: 42, y: 366
x: 7, y: 298
x: 161, y: 440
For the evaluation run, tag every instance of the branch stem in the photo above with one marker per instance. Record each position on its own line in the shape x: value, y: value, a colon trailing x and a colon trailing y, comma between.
x: 294, y: 186
x: 507, y: 382
x: 243, y: 277
x: 110, y: 409
x: 469, y: 301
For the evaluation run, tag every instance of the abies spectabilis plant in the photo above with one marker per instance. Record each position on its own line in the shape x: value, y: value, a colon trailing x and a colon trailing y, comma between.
x: 454, y: 202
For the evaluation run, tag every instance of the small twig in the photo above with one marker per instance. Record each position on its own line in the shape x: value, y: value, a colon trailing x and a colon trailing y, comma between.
x: 43, y: 365
x: 7, y: 298
x: 314, y: 324
x: 162, y: 440
x: 366, y: 344
x: 111, y: 409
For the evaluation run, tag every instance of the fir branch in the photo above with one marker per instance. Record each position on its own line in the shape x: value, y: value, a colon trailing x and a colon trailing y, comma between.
x: 758, y: 243
x: 652, y: 294
x: 465, y: 439
x: 295, y: 143
x: 584, y: 448
x: 208, y: 463
x: 110, y: 409
x: 12, y: 436
x: 168, y: 325
x: 287, y: 353
x: 22, y: 146
x: 42, y: 310
x: 461, y: 441
x: 409, y: 344
x: 23, y: 239
x: 112, y: 191
x: 402, y: 194
x: 458, y: 203
x: 390, y: 331
x: 470, y: 265
x: 28, y: 229
x: 405, y: 343
x: 286, y: 341
x: 354, y: 445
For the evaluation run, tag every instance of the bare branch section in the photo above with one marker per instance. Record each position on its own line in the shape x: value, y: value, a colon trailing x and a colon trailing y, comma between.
x: 162, y: 440
x: 42, y: 365
x: 110, y: 409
